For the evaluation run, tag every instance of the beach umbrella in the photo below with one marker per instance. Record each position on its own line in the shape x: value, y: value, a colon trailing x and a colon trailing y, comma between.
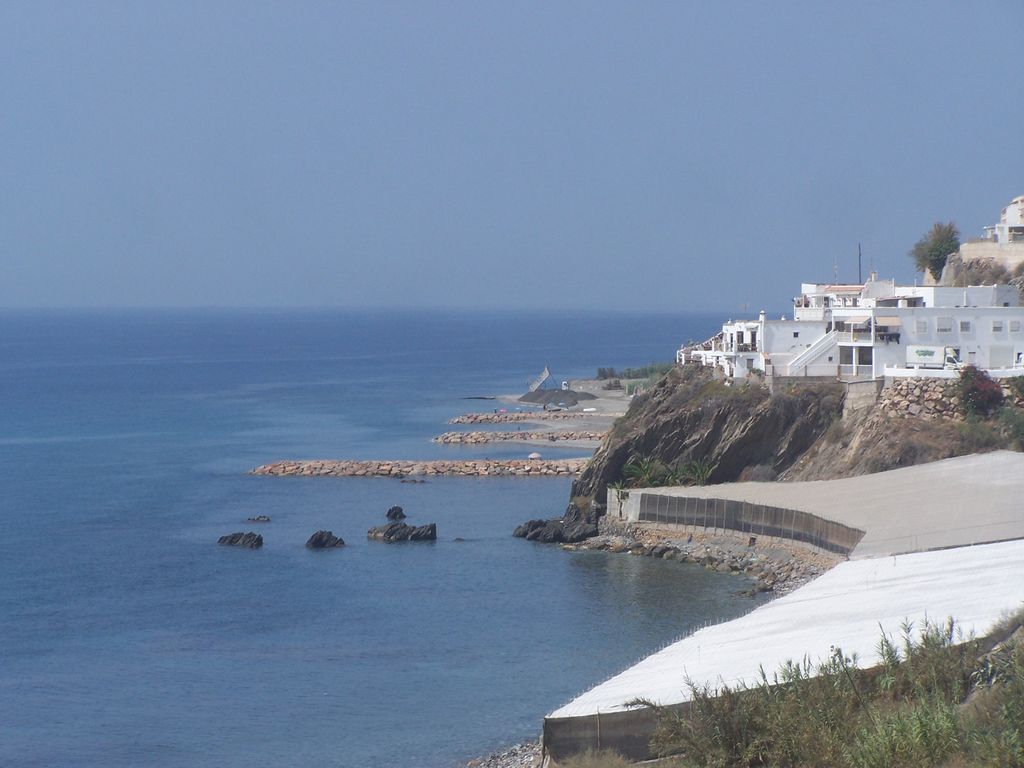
x: 534, y: 455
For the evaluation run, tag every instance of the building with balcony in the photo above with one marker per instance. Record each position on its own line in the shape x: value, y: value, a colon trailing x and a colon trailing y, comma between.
x: 873, y: 330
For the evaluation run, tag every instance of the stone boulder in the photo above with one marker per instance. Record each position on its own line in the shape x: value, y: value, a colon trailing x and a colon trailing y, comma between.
x: 398, y: 531
x: 258, y: 519
x: 324, y: 540
x: 573, y: 527
x: 395, y: 513
x: 248, y: 540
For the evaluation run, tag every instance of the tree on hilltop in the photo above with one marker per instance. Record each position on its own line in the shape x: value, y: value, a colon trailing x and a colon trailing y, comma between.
x: 931, y: 251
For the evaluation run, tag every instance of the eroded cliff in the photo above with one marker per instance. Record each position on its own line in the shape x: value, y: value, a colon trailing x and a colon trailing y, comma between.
x: 740, y: 431
x: 690, y: 418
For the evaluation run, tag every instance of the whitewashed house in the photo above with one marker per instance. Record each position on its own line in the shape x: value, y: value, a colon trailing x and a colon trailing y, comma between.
x: 875, y: 330
x: 1003, y: 243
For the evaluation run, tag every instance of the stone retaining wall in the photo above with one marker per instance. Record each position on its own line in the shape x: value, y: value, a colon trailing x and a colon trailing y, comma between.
x: 400, y: 469
x: 926, y: 398
x: 929, y: 398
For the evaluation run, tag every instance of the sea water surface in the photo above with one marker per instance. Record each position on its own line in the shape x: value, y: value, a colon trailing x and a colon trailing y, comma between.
x: 129, y: 637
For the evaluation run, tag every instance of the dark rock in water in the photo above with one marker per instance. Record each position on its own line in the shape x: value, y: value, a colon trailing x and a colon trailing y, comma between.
x: 396, y: 513
x: 577, y: 532
x: 324, y: 540
x: 573, y: 527
x: 412, y: 480
x: 258, y: 519
x: 246, y: 540
x: 401, y: 532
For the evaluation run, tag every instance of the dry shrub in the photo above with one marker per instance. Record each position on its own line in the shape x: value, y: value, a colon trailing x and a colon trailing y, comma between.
x: 604, y: 758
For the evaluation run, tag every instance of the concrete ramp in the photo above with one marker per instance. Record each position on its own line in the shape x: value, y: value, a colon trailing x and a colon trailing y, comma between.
x: 849, y: 606
x: 967, y: 500
x: 931, y: 542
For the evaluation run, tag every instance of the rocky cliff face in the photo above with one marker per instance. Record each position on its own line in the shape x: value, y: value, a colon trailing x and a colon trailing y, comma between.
x: 741, y: 432
x: 690, y: 417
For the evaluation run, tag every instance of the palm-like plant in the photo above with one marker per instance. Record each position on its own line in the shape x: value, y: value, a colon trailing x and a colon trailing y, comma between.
x: 643, y: 472
x: 697, y: 471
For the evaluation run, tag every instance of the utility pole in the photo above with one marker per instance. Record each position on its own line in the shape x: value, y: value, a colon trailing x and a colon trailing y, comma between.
x: 860, y: 278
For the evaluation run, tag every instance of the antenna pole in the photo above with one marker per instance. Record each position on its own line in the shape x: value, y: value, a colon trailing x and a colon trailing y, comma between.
x: 860, y: 279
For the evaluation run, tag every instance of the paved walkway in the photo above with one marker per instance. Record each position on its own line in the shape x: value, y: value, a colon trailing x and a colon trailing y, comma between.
x: 956, y: 502
x: 932, y: 512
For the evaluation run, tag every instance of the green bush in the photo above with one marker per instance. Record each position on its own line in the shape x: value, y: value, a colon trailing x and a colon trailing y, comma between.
x: 1016, y: 383
x: 1011, y: 425
x: 978, y: 435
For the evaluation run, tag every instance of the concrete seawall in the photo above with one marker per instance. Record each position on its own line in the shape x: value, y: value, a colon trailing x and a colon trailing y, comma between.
x: 400, y: 469
x: 939, y: 540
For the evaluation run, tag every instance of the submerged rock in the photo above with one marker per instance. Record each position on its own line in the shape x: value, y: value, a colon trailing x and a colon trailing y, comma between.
x: 324, y: 540
x: 245, y: 540
x: 402, y: 532
x: 395, y: 513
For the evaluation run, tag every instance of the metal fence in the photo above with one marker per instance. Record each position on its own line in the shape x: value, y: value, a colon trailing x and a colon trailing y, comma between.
x: 725, y: 515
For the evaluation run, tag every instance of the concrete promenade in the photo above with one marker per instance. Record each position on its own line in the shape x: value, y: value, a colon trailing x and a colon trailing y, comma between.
x: 915, y: 562
x: 956, y: 502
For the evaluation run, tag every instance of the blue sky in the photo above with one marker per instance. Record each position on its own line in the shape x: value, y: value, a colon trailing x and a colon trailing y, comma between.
x: 625, y: 156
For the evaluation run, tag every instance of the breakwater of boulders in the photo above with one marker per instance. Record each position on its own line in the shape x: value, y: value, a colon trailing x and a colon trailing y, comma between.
x: 404, y: 469
x: 475, y: 438
x: 512, y: 417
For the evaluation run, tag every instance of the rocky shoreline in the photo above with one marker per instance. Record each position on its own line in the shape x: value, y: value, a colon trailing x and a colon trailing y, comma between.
x: 525, y: 755
x: 475, y: 438
x: 776, y: 567
x: 402, y: 469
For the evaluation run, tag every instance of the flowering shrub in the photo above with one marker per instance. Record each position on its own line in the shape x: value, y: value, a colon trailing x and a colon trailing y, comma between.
x: 979, y: 394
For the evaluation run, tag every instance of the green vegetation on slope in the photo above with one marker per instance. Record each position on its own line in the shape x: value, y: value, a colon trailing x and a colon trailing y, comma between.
x: 936, y: 699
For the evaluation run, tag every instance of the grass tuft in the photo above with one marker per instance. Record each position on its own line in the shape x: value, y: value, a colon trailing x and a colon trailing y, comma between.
x: 937, y: 698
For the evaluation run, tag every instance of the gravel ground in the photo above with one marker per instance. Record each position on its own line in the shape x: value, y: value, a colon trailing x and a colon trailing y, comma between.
x: 525, y: 755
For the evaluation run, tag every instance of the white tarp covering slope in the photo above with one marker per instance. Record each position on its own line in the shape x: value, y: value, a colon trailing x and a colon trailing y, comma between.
x: 849, y: 606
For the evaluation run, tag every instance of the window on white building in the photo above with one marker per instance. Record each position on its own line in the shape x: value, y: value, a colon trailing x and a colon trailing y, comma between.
x: 944, y: 325
x: 997, y: 326
x: 922, y: 326
x: 1015, y: 326
x: 796, y: 334
x: 965, y: 326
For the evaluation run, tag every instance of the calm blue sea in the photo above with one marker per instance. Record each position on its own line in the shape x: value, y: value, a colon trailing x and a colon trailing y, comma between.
x: 128, y: 637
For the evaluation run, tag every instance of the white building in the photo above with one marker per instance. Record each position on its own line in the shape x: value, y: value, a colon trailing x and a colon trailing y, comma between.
x: 874, y: 330
x: 1002, y: 242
